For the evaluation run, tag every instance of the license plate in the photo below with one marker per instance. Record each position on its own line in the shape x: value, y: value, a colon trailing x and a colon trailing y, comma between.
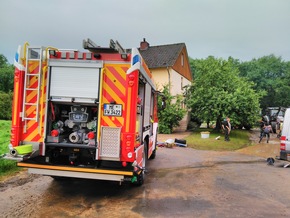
x: 113, y: 110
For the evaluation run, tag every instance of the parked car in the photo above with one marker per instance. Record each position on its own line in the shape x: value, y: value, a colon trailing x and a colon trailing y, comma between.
x: 273, y: 116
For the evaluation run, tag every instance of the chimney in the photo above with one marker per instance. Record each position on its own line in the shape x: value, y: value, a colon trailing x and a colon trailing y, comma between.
x: 144, y: 45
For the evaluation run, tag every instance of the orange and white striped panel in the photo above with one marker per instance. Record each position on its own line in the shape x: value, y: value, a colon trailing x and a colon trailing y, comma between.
x: 34, y: 130
x: 114, y: 90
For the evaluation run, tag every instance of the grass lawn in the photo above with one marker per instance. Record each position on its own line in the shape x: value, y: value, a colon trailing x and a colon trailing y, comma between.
x: 7, y: 167
x: 5, y: 127
x: 238, y: 139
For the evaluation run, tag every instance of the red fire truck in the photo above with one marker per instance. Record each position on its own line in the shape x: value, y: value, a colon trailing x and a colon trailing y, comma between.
x: 90, y: 114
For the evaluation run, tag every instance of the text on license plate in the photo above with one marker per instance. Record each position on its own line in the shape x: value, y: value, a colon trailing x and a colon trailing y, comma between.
x: 112, y: 110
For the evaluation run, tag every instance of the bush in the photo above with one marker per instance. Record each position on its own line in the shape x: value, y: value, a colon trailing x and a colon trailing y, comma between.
x: 169, y: 116
x: 5, y: 105
x: 6, y: 166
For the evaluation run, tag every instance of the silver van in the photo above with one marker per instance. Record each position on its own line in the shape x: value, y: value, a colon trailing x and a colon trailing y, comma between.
x: 285, y: 136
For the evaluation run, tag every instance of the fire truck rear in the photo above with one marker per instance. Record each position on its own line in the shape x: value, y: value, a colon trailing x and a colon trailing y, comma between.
x: 89, y: 114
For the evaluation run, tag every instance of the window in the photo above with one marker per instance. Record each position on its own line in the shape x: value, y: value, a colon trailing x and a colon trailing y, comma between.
x: 182, y: 60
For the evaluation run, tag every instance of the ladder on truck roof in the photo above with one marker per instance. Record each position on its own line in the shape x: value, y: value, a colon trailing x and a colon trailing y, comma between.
x: 114, y: 47
x: 32, y: 84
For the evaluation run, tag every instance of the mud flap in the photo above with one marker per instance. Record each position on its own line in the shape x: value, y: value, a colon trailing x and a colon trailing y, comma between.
x: 283, y: 155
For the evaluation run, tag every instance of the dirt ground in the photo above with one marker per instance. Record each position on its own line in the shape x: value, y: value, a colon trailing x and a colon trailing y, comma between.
x: 262, y: 149
x: 181, y: 182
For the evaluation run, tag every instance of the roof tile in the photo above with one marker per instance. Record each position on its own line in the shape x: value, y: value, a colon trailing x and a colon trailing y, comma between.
x: 162, y: 55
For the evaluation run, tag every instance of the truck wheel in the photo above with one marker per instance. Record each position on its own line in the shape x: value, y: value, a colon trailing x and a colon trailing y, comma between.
x: 60, y: 178
x: 141, y: 176
x: 153, y: 155
x: 140, y: 179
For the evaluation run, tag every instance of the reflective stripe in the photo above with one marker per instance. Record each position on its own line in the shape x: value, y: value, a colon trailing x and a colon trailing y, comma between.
x: 75, y: 169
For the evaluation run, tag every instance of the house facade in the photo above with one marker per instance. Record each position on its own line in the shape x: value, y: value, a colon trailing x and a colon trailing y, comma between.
x: 169, y: 64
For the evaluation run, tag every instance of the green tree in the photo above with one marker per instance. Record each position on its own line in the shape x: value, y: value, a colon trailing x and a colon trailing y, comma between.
x: 272, y: 75
x: 6, y: 75
x: 218, y: 91
x: 169, y: 116
x: 5, y: 105
x: 6, y: 88
x: 3, y: 60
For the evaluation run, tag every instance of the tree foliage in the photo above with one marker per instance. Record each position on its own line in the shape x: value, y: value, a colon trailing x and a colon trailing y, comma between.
x: 169, y: 116
x: 218, y: 91
x: 5, y: 105
x: 6, y: 79
x: 3, y: 60
x: 272, y: 75
x: 6, y: 88
x: 6, y: 75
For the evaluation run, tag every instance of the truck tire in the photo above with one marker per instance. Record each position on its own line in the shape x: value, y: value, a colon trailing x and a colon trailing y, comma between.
x: 153, y: 155
x: 60, y: 178
x: 141, y: 176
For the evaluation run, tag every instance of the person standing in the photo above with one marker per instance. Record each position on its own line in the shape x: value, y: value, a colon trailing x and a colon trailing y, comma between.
x: 279, y: 127
x: 227, y: 128
x: 262, y: 125
x: 266, y: 132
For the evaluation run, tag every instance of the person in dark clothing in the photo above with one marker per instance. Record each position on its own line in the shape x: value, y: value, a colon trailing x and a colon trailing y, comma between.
x: 262, y: 124
x: 226, y: 125
x: 266, y: 132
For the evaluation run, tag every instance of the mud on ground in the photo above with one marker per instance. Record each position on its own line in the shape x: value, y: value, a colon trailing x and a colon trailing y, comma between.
x: 262, y: 149
x: 196, y: 184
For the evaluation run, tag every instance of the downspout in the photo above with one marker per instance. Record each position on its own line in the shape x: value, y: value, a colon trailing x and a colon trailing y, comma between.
x: 169, y: 81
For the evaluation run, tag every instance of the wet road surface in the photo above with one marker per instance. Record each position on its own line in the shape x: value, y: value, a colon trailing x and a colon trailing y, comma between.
x: 181, y: 182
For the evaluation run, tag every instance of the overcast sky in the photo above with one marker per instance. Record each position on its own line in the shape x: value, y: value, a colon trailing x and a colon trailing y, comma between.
x: 243, y: 29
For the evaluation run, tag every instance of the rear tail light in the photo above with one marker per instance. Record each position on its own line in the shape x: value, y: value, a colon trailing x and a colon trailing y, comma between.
x: 131, y: 80
x: 282, y: 143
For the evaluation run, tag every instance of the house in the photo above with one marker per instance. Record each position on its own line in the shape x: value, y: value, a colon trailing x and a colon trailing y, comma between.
x: 169, y: 64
